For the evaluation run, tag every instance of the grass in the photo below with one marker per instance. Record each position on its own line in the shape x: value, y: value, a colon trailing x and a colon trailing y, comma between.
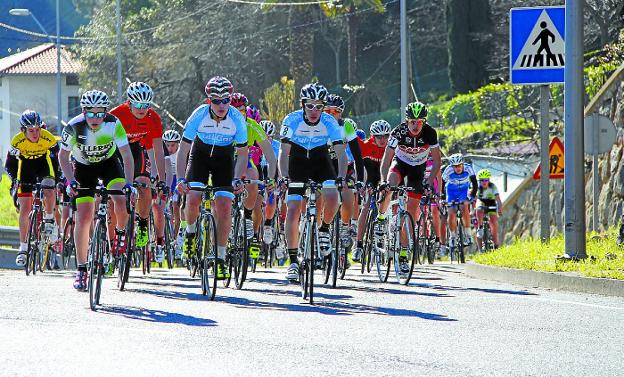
x: 605, y: 258
x: 8, y: 215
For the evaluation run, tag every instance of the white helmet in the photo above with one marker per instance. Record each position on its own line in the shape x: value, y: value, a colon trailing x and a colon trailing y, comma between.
x: 171, y: 135
x: 456, y: 159
x: 140, y: 92
x: 380, y: 127
x: 94, y: 98
x: 268, y: 127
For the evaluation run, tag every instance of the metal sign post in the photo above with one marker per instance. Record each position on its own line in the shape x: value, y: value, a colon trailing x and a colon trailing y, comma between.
x: 545, y: 164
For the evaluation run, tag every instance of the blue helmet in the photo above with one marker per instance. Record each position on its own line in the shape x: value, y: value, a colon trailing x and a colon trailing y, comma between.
x: 30, y: 118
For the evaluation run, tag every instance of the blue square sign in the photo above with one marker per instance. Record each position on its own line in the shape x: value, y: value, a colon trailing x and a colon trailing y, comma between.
x: 537, y: 45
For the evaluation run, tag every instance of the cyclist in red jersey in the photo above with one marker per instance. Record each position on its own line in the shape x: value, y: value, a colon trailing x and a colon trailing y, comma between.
x: 144, y: 129
x: 372, y: 153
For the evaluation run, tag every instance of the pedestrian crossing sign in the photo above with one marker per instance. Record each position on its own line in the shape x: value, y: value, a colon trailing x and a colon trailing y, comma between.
x: 537, y: 45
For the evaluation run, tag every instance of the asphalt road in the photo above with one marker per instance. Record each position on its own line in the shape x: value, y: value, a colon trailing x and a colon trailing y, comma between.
x: 443, y: 324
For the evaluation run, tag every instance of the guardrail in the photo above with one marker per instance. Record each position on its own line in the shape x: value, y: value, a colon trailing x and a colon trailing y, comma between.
x: 9, y: 236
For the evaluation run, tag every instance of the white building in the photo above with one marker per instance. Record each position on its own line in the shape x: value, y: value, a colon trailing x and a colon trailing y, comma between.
x: 28, y: 81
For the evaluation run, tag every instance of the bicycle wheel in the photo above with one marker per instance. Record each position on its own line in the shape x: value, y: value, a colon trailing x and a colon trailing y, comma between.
x: 69, y: 248
x: 460, y: 244
x: 33, y: 242
x: 44, y: 262
x: 169, y: 248
x: 311, y: 264
x: 127, y: 258
x: 209, y: 258
x: 488, y: 243
x: 96, y: 270
x: 412, y: 253
x: 241, y: 256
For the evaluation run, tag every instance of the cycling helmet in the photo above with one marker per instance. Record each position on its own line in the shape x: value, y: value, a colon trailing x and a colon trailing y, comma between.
x: 335, y: 101
x: 268, y: 127
x: 314, y: 91
x: 30, y: 118
x: 484, y: 174
x: 171, y: 135
x: 456, y: 159
x: 416, y: 110
x: 254, y: 113
x: 94, y: 98
x: 380, y: 127
x: 219, y: 87
x: 361, y: 133
x: 140, y: 92
x: 238, y: 100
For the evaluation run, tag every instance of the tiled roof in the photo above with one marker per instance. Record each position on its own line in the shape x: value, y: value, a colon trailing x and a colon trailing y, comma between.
x: 40, y: 60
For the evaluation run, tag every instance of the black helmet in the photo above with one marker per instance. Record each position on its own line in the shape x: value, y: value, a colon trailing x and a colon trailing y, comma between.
x: 30, y: 118
x: 334, y: 100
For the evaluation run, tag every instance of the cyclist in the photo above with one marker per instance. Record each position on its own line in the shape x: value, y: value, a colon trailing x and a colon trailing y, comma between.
x: 92, y: 138
x: 28, y: 162
x: 211, y: 134
x: 487, y: 196
x: 459, y: 178
x: 258, y: 145
x: 406, y: 154
x: 372, y: 153
x: 334, y: 106
x: 440, y: 231
x: 304, y: 156
x: 144, y: 130
x: 172, y: 138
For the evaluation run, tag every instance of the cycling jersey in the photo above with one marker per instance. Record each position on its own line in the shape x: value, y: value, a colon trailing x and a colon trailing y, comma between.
x: 143, y: 130
x: 229, y: 131
x: 487, y: 197
x: 295, y: 130
x: 348, y: 127
x: 90, y: 146
x: 255, y: 135
x: 29, y: 161
x: 413, y: 150
x: 25, y: 149
x: 276, y: 145
x: 457, y: 185
x: 372, y: 155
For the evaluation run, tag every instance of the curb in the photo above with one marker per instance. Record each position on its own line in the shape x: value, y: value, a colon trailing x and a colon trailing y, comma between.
x: 7, y: 259
x: 552, y: 280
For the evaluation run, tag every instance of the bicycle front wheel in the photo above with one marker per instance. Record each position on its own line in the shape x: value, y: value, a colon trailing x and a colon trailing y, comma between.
x: 406, y: 257
x: 241, y: 247
x: 169, y: 248
x: 69, y: 249
x: 209, y: 258
x: 96, y: 269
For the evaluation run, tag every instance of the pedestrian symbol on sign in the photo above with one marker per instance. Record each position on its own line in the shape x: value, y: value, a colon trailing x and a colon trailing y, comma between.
x: 544, y: 48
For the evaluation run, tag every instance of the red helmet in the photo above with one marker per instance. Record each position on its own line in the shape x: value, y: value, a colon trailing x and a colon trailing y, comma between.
x: 238, y: 100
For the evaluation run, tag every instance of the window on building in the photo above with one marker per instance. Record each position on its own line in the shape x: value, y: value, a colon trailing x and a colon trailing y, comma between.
x: 71, y: 80
x: 73, y: 106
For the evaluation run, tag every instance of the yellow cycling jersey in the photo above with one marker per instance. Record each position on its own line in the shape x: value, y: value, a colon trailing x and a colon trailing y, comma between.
x: 26, y: 149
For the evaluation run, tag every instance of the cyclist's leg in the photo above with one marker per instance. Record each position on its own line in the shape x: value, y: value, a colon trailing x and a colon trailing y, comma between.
x: 25, y: 201
x: 479, y: 214
x: 494, y: 228
x: 394, y: 178
x: 223, y: 220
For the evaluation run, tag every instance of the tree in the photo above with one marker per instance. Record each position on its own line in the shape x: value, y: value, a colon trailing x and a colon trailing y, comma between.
x: 468, y: 24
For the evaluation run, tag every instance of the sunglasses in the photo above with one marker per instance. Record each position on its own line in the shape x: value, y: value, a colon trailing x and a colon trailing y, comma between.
x: 332, y: 111
x: 140, y: 105
x: 91, y: 114
x: 220, y: 101
x: 484, y: 180
x: 315, y: 106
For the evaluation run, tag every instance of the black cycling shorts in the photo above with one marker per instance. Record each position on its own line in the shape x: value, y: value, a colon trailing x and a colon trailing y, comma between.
x: 30, y: 171
x: 110, y: 171
x: 304, y: 165
x: 211, y: 162
x: 412, y: 175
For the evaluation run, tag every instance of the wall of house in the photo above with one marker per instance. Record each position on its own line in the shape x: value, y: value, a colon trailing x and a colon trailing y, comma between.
x: 37, y: 92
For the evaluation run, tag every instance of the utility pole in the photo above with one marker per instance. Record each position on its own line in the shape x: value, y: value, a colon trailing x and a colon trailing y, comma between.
x: 404, y: 73
x: 544, y: 164
x: 59, y: 109
x: 574, y: 191
x: 119, y: 79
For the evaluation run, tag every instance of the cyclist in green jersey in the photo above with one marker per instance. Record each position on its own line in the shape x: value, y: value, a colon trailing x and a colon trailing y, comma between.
x: 488, y: 197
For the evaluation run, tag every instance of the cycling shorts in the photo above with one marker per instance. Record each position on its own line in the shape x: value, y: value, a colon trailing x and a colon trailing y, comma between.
x: 110, y: 171
x: 210, y: 162
x: 141, y: 160
x: 31, y: 171
x: 412, y: 176
x: 483, y: 205
x: 304, y: 165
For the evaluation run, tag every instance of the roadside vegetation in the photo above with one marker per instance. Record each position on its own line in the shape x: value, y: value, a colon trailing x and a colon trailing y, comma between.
x: 605, y: 257
x: 8, y: 215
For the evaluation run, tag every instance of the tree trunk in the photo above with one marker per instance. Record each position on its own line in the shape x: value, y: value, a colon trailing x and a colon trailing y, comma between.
x: 352, y: 30
x: 337, y: 56
x: 301, y: 46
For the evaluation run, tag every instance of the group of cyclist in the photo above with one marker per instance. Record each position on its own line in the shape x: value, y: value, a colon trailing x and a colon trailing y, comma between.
x: 226, y: 144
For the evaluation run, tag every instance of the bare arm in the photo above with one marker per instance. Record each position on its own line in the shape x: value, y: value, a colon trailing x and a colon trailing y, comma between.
x: 241, y: 161
x: 183, y: 153
x: 128, y: 162
x: 66, y: 167
x: 385, y: 163
x: 269, y: 154
x: 284, y: 159
x: 437, y: 161
x: 343, y: 161
x: 159, y: 154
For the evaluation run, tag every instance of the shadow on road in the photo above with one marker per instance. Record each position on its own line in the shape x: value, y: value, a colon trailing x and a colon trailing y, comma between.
x: 149, y: 315
x: 171, y: 294
x: 468, y: 289
x: 332, y: 308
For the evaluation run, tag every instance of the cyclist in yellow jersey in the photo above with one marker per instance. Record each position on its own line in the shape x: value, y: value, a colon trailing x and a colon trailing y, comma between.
x: 27, y: 163
x: 256, y: 138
